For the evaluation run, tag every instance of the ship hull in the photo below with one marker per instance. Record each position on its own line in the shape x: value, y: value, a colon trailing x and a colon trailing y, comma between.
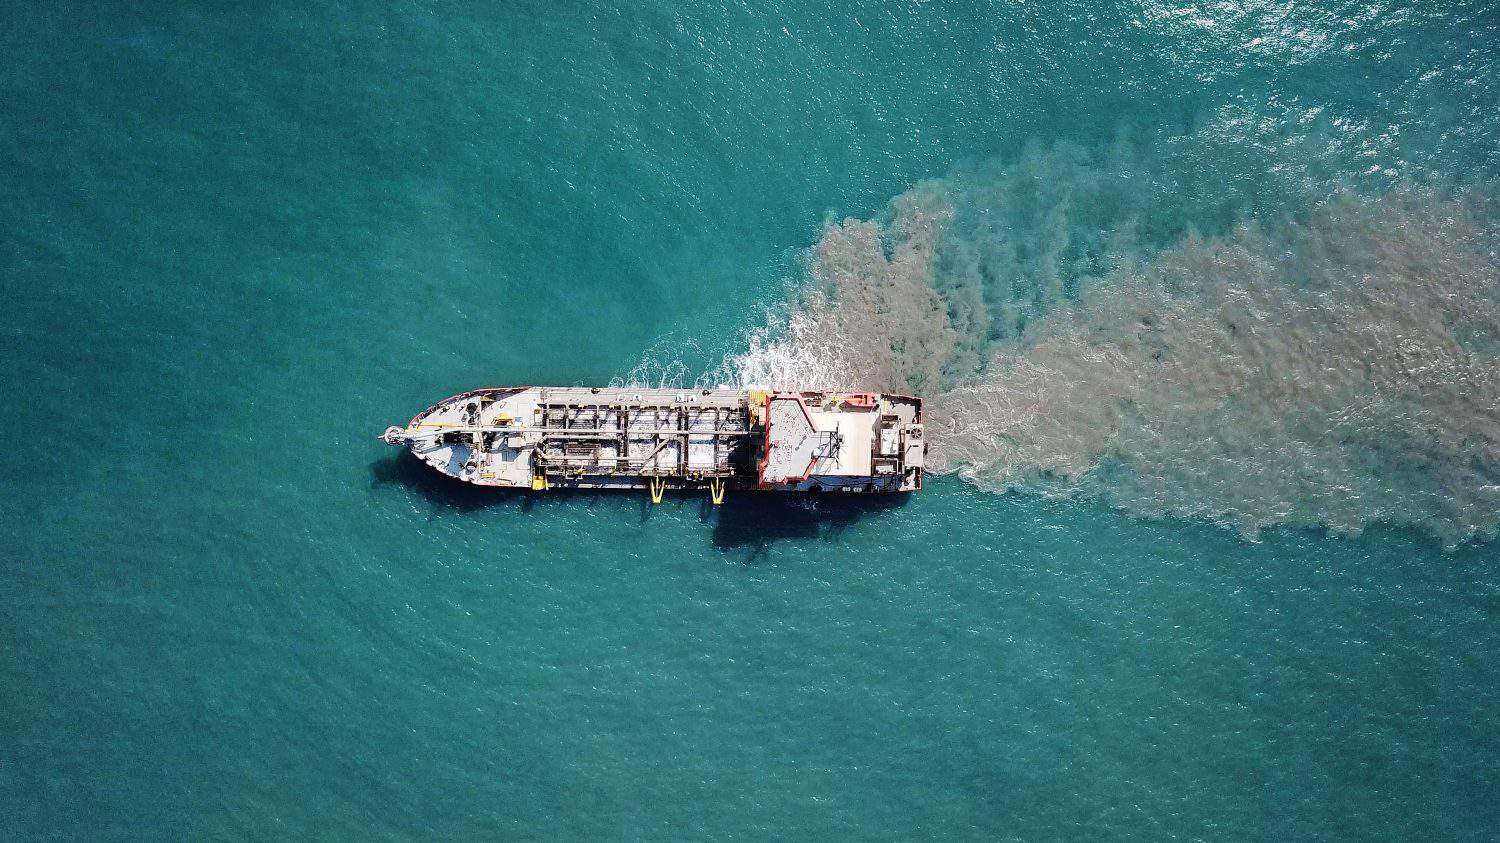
x: 715, y: 440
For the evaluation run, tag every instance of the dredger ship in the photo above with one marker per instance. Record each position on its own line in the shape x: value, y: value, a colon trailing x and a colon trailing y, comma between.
x: 711, y: 440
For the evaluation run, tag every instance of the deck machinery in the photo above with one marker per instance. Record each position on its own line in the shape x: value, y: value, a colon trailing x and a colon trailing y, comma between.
x: 542, y: 438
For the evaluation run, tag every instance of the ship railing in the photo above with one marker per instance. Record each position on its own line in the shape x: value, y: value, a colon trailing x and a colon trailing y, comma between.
x: 644, y: 467
x: 581, y: 431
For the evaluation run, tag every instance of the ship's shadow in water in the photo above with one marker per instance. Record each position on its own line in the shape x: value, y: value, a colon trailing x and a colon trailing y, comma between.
x: 754, y: 520
x: 760, y: 519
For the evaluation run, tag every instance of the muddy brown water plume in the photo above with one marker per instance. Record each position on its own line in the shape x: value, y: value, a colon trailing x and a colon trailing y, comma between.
x: 1336, y: 367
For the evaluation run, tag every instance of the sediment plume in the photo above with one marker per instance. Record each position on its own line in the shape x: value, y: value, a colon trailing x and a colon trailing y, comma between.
x: 1091, y: 327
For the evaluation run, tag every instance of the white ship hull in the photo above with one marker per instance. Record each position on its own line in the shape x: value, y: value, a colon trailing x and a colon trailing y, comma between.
x: 541, y: 438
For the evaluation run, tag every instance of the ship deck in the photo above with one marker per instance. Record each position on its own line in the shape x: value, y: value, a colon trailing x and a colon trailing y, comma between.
x: 630, y: 437
x: 589, y: 437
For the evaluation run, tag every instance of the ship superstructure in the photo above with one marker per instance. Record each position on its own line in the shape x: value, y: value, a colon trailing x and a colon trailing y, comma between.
x: 543, y: 438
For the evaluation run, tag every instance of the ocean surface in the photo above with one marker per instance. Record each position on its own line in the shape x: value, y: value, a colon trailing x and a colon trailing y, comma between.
x: 1205, y: 299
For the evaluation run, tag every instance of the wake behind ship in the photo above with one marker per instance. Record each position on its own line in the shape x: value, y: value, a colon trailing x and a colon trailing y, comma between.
x: 711, y: 439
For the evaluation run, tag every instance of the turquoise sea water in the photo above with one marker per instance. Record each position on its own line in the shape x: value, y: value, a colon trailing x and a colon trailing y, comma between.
x: 1254, y: 596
